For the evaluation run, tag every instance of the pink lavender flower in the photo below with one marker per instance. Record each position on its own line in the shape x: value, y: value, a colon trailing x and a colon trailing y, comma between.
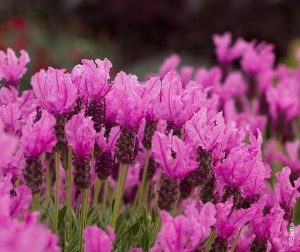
x: 80, y: 135
x: 258, y: 59
x: 182, y: 234
x: 8, y: 95
x: 208, y: 133
x: 92, y: 77
x: 243, y: 168
x: 173, y: 155
x: 96, y: 240
x: 284, y: 193
x: 21, y: 201
x: 18, y: 236
x: 54, y: 90
x: 12, y: 68
x: 208, y: 78
x: 186, y: 74
x: 105, y: 156
x: 8, y: 145
x: 226, y: 52
x: 124, y: 105
x: 173, y: 107
x: 38, y: 137
x: 170, y: 64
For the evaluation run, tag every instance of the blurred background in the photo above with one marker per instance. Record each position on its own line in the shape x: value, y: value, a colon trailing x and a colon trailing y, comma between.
x: 136, y: 35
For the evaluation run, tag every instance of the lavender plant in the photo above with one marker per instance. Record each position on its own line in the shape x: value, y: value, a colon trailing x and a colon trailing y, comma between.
x: 186, y: 160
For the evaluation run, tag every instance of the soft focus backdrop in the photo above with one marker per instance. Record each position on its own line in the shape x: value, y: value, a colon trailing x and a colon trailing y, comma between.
x: 137, y: 34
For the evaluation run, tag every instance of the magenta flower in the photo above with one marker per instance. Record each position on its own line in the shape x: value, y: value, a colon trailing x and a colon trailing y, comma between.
x: 10, y: 116
x: 243, y: 168
x: 291, y: 159
x: 226, y: 53
x: 173, y: 155
x: 96, y: 240
x: 124, y: 105
x: 108, y: 144
x: 38, y: 137
x: 12, y: 68
x: 8, y: 95
x: 208, y: 133
x: 283, y: 100
x: 149, y: 92
x: 8, y: 145
x: 21, y: 201
x: 208, y: 78
x: 258, y: 59
x: 92, y: 77
x: 284, y: 193
x: 170, y: 64
x: 18, y: 236
x: 186, y: 74
x: 80, y: 135
x: 183, y: 234
x: 54, y: 90
x: 173, y: 106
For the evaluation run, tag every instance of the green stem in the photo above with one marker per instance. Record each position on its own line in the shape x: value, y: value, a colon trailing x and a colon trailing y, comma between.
x: 97, y: 188
x: 48, y: 185
x: 57, y: 190
x: 69, y: 180
x: 105, y: 194
x: 210, y: 240
x: 84, y: 211
x: 119, y: 193
x: 35, y: 202
x: 236, y: 240
x: 139, y: 194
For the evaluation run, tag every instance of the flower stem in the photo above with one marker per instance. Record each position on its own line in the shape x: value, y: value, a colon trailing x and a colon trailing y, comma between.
x: 119, y: 193
x: 105, y: 194
x: 138, y: 200
x: 236, y: 240
x: 97, y: 188
x: 210, y: 240
x: 69, y: 180
x: 84, y: 211
x: 48, y: 184
x: 57, y: 190
x: 35, y: 202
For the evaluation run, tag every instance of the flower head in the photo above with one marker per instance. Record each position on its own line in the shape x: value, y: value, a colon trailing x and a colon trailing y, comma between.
x: 54, y: 90
x: 92, y: 77
x: 208, y: 133
x: 12, y: 68
x: 243, y: 168
x: 224, y: 51
x: 184, y: 232
x: 80, y: 134
x: 38, y: 137
x: 124, y: 105
x: 173, y: 155
x: 96, y: 240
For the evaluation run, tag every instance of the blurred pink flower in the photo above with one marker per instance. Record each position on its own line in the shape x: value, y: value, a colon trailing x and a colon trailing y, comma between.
x: 183, y: 234
x: 12, y: 68
x: 170, y: 64
x: 96, y: 240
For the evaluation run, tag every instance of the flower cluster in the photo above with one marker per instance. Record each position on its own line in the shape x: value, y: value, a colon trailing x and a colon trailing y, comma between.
x: 204, y: 159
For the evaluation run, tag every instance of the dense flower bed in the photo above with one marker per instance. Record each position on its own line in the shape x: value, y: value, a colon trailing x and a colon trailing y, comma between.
x: 186, y: 160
